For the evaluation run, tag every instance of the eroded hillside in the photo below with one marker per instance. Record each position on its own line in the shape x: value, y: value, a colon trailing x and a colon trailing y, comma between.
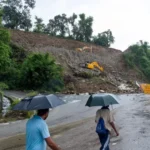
x: 77, y: 78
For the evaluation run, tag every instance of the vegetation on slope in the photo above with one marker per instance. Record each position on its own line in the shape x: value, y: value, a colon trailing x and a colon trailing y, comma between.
x: 19, y: 69
x: 138, y: 55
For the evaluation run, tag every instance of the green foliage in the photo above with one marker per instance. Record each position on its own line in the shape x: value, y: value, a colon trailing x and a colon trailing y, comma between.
x: 30, y: 3
x: 129, y: 60
x: 77, y: 28
x: 39, y: 25
x: 60, y: 26
x: 84, y: 74
x: 16, y: 14
x: 39, y: 71
x: 11, y: 75
x: 29, y: 114
x: 33, y: 93
x: 3, y: 86
x: 68, y: 27
x: 4, y: 36
x: 20, y: 70
x: 18, y: 54
x: 20, y: 114
x: 84, y: 29
x: 15, y: 102
x: 1, y: 14
x: 4, y: 49
x: 138, y: 56
x: 104, y: 39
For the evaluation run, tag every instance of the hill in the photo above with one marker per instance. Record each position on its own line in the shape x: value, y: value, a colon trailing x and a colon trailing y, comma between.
x: 78, y: 79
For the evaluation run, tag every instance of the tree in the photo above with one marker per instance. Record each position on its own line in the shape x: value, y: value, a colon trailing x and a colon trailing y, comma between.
x: 83, y: 30
x: 58, y: 26
x: 145, y: 46
x: 30, y: 3
x: 39, y: 71
x: 71, y: 25
x: 51, y: 28
x: 39, y: 25
x: 1, y: 14
x: 25, y: 20
x: 61, y: 24
x: 16, y: 14
x: 64, y: 26
x: 104, y: 39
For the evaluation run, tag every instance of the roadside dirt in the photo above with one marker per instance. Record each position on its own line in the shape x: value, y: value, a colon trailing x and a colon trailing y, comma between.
x: 82, y: 135
x: 18, y: 142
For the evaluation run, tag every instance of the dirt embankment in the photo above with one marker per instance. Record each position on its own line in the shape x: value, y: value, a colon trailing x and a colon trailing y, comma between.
x: 80, y: 79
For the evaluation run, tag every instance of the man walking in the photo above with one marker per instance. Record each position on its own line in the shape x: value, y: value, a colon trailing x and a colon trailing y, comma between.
x: 37, y: 133
x: 107, y: 117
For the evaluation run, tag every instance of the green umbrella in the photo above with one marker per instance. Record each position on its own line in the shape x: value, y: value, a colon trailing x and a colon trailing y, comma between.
x: 101, y: 100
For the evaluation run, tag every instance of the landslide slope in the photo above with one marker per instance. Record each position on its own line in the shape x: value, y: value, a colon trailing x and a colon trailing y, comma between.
x: 80, y: 79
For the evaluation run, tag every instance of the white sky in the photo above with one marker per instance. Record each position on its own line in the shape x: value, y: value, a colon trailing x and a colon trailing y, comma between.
x: 129, y: 20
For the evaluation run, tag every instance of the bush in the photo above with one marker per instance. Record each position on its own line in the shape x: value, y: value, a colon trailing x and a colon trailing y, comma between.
x: 4, y: 50
x: 84, y: 74
x: 33, y: 93
x: 18, y: 54
x: 18, y: 114
x: 104, y: 39
x: 138, y: 56
x: 39, y: 71
x: 3, y: 86
x: 15, y: 102
x: 11, y: 75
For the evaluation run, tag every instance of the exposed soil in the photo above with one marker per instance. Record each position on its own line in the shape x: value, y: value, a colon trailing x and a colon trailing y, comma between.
x: 115, y: 68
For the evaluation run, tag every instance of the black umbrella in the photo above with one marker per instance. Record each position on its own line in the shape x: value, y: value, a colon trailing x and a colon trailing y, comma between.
x: 39, y: 102
x: 102, y: 100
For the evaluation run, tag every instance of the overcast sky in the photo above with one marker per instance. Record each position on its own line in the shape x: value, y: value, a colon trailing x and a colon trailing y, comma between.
x: 129, y: 20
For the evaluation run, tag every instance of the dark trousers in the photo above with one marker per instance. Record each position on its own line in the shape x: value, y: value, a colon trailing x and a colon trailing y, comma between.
x: 104, y: 140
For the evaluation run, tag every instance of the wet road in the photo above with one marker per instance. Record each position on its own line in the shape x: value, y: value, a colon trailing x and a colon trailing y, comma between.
x: 134, y: 123
x: 132, y: 116
x: 74, y: 110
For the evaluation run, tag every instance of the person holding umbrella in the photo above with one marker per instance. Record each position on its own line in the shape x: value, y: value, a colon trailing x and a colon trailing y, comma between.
x: 37, y: 133
x: 104, y: 118
x: 105, y: 114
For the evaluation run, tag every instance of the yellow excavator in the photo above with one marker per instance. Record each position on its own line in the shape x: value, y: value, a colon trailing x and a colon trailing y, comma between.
x: 92, y: 65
